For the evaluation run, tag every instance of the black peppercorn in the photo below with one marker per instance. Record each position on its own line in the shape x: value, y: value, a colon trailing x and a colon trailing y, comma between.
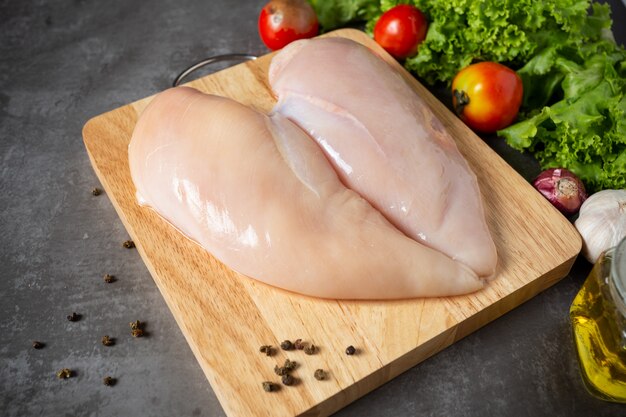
x: 298, y: 344
x: 137, y: 329
x: 96, y: 191
x: 286, y: 345
x: 269, y: 386
x: 350, y: 350
x: 73, y: 317
x: 108, y: 341
x: 109, y: 381
x: 267, y: 349
x: 38, y: 345
x: 310, y: 350
x: 129, y: 244
x: 290, y: 365
x: 319, y: 374
x: 280, y: 370
x: 287, y: 379
x: 136, y: 333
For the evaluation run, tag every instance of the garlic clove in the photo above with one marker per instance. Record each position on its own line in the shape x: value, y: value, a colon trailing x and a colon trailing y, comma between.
x: 602, y: 222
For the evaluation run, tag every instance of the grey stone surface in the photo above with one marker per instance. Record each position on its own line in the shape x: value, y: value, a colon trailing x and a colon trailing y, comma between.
x: 62, y: 62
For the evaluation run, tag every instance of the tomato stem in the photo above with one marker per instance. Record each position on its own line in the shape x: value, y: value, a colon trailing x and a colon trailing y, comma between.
x: 462, y: 100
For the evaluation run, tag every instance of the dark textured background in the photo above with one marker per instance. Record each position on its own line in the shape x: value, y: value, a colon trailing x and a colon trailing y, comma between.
x: 62, y: 62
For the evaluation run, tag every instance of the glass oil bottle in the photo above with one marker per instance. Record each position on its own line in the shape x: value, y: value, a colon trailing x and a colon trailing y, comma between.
x: 598, y: 316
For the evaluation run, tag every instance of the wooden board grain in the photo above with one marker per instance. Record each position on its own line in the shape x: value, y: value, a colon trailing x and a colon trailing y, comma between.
x: 225, y: 317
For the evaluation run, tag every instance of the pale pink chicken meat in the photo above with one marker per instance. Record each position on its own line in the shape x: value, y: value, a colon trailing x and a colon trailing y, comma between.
x: 259, y: 195
x: 386, y: 144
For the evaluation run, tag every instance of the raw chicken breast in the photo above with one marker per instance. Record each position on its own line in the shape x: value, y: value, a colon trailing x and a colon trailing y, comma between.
x: 386, y: 144
x: 259, y: 194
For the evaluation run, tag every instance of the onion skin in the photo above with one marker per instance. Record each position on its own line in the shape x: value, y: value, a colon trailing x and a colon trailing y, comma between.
x: 562, y: 188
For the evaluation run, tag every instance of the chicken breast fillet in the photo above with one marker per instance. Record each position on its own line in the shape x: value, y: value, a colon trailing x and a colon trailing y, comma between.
x: 259, y: 195
x: 386, y: 144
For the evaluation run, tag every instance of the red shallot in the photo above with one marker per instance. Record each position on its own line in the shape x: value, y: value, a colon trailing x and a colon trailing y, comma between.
x: 562, y: 188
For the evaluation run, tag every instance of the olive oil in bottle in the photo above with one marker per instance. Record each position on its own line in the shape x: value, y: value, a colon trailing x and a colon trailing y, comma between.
x: 598, y: 316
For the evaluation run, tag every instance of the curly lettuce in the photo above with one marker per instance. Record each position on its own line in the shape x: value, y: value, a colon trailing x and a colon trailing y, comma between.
x: 584, y: 130
x: 332, y: 14
x: 463, y: 31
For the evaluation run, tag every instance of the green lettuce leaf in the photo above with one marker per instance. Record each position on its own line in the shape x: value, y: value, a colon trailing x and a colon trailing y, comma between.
x: 585, y: 131
x: 463, y: 31
x: 507, y: 31
x: 332, y: 14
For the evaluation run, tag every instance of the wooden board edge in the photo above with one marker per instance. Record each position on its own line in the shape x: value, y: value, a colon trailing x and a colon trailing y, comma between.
x: 440, y: 342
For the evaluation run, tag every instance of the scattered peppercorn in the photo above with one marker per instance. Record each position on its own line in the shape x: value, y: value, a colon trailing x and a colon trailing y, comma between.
x: 319, y: 374
x: 65, y: 373
x: 290, y: 365
x: 286, y: 345
x: 108, y: 341
x: 137, y: 333
x: 73, y: 317
x: 298, y: 344
x: 96, y: 191
x: 350, y: 350
x: 38, y: 345
x: 269, y: 386
x: 109, y: 381
x: 287, y: 379
x: 267, y: 349
x: 310, y: 350
x: 129, y: 244
x: 109, y: 278
x: 280, y: 370
x: 137, y: 329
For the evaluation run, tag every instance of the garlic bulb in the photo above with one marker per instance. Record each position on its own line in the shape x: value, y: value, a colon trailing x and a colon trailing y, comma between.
x: 602, y: 222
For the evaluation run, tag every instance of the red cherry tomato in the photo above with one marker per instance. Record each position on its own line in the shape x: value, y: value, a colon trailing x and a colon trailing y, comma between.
x: 284, y: 21
x: 487, y: 96
x: 400, y: 30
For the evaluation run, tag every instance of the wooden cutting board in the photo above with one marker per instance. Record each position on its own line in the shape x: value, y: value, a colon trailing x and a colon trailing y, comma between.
x: 225, y: 317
